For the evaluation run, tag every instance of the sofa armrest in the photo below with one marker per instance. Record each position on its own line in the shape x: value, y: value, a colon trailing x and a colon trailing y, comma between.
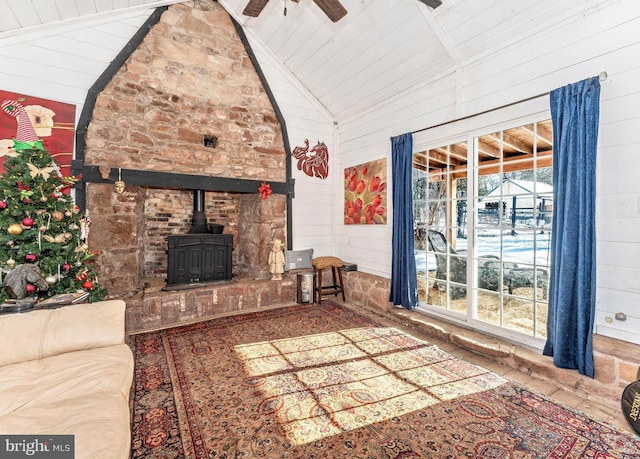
x: 38, y: 334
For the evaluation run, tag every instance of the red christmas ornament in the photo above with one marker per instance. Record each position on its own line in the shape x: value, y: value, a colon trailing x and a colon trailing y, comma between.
x: 66, y: 267
x: 30, y: 257
x: 30, y: 288
x: 87, y: 285
x: 28, y: 222
x: 3, y: 204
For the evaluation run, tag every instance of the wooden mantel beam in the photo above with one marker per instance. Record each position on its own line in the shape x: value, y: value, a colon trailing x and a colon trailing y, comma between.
x: 172, y: 180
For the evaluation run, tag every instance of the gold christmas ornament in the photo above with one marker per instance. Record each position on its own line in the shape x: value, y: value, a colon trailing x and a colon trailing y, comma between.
x: 51, y: 280
x: 15, y: 229
x: 11, y: 262
x: 57, y: 216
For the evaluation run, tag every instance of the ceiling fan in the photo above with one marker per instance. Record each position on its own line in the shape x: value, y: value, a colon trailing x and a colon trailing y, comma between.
x: 332, y: 8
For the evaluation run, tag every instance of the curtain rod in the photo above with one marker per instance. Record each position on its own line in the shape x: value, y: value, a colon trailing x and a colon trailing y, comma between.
x: 602, y: 76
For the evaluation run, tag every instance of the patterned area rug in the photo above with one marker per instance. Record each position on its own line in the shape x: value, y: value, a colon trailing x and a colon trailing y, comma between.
x: 324, y: 382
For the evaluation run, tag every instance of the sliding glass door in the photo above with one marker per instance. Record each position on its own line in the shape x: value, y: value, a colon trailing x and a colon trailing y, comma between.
x: 483, y: 213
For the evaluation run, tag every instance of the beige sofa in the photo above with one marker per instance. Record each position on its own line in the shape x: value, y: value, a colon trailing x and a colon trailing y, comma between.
x: 68, y: 371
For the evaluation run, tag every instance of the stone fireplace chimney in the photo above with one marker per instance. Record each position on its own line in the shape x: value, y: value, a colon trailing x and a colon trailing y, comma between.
x: 190, y: 79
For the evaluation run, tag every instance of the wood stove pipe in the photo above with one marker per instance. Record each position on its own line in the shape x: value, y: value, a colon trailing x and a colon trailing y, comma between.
x: 199, y: 219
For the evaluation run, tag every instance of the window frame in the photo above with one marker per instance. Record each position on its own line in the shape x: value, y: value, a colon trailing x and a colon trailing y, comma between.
x: 469, y: 130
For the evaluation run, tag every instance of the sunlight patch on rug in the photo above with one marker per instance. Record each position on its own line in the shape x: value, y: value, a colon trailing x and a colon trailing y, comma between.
x: 320, y: 385
x: 324, y: 382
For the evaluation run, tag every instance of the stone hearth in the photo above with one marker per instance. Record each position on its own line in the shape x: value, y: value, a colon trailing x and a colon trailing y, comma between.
x: 151, y: 308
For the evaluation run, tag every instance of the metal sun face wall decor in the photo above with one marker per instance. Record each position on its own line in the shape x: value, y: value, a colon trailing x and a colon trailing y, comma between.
x: 365, y: 193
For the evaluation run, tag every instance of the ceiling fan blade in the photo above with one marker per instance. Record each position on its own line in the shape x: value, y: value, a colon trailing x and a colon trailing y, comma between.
x: 432, y: 3
x: 332, y: 8
x: 254, y: 7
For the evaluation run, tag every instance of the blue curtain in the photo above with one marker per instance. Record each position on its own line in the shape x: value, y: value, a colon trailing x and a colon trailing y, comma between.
x: 404, y: 284
x: 575, y: 114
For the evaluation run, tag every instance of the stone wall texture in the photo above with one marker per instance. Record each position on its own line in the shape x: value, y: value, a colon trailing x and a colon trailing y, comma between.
x: 191, y: 77
x: 151, y: 310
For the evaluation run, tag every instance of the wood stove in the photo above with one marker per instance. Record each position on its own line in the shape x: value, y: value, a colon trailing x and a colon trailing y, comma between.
x: 199, y: 256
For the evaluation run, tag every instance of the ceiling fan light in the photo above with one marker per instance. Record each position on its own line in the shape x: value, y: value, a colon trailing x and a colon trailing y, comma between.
x: 432, y: 3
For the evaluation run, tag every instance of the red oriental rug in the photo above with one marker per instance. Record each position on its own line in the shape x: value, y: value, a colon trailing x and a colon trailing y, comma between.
x: 321, y: 381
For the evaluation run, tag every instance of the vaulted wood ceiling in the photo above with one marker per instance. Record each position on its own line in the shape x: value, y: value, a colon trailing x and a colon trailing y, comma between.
x: 380, y: 49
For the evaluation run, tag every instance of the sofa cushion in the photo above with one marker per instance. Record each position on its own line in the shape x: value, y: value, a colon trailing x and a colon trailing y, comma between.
x: 99, y: 423
x: 59, y: 377
x: 37, y: 334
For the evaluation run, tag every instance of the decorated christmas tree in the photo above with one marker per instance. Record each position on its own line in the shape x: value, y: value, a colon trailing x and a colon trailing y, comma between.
x: 41, y: 229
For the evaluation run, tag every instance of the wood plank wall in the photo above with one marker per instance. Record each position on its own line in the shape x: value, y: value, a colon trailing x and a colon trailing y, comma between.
x: 578, y: 47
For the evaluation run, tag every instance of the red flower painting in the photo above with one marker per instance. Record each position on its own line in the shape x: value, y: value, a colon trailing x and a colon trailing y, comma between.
x: 365, y: 193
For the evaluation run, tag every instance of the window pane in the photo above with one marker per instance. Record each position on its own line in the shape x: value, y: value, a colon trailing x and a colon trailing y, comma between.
x: 513, y: 225
x: 440, y: 226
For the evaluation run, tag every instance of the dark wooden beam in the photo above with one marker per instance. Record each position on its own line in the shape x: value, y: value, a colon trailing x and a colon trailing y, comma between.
x: 172, y: 180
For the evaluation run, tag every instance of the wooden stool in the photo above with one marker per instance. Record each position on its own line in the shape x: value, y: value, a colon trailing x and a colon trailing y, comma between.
x: 320, y: 264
